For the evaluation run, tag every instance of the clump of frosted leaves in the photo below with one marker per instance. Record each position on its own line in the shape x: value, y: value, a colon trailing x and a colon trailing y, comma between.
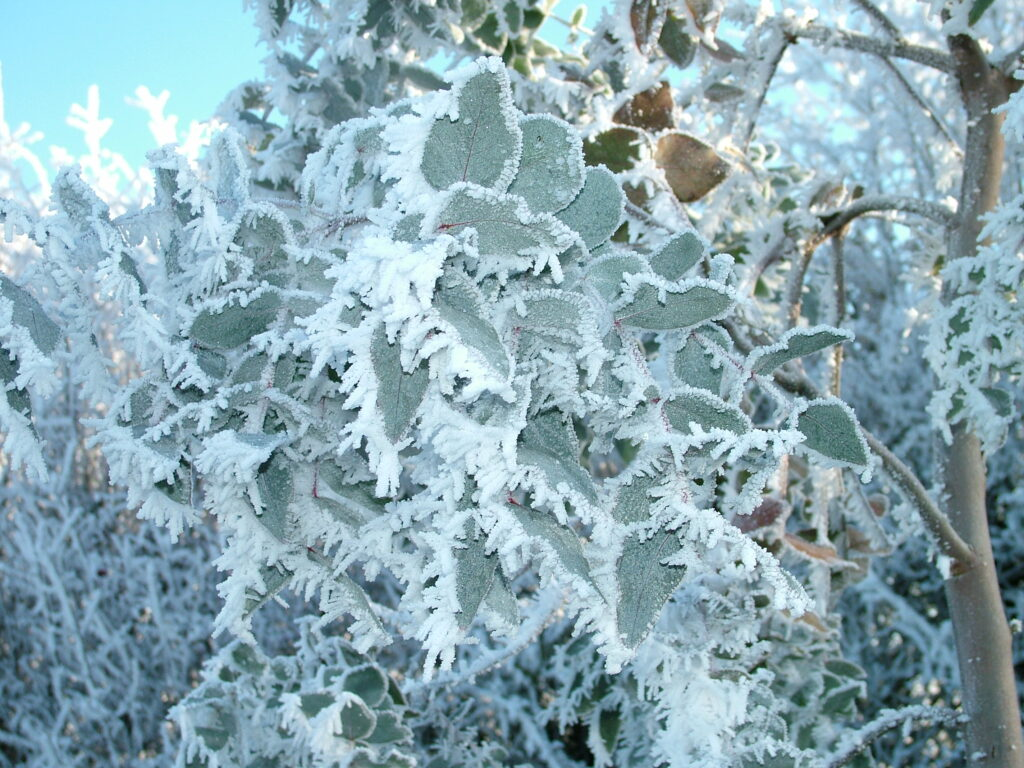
x: 426, y: 366
x: 324, y: 705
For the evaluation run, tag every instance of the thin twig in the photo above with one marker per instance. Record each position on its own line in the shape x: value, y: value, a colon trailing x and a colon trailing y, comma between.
x: 938, y: 122
x: 855, y: 41
x: 773, y: 65
x: 856, y: 742
x: 881, y: 18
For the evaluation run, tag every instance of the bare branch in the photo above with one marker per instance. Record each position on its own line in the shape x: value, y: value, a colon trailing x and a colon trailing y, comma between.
x: 855, y: 41
x: 881, y: 18
x: 1012, y: 61
x: 857, y: 741
x: 924, y: 105
x: 773, y: 65
x: 935, y: 520
x: 937, y: 212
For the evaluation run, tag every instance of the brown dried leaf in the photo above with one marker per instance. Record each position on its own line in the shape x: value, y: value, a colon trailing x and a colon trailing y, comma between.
x: 646, y: 17
x: 692, y: 168
x: 767, y: 512
x: 650, y: 109
x: 820, y: 552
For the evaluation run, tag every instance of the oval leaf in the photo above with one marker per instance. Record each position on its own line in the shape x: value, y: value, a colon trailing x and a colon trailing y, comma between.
x: 551, y: 170
x: 692, y: 168
x: 831, y: 430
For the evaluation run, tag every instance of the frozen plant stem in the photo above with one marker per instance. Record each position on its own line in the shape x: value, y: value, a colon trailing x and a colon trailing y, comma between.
x: 983, y: 644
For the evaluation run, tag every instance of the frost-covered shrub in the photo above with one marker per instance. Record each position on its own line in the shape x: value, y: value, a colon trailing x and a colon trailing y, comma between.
x: 421, y: 371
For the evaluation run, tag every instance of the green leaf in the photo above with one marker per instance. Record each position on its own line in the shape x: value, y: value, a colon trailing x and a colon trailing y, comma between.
x: 978, y: 8
x: 390, y: 730
x: 459, y: 307
x: 633, y: 501
x: 502, y: 601
x: 609, y: 723
x: 399, y: 392
x: 830, y: 429
x: 505, y: 227
x: 694, y: 366
x: 795, y: 343
x: 597, y: 211
x: 551, y: 170
x: 483, y: 144
x: 357, y: 496
x: 616, y: 148
x: 27, y: 313
x: 645, y: 584
x: 312, y: 704
x: 606, y: 273
x: 275, y: 578
x: 999, y: 399
x: 274, y: 482
x: 17, y: 398
x: 677, y: 256
x: 474, y: 574
x: 707, y: 410
x: 549, y: 443
x: 563, y: 542
x: 368, y: 683
x: 682, y: 308
x: 679, y: 47
x: 357, y: 720
x: 561, y: 315
x: 234, y: 325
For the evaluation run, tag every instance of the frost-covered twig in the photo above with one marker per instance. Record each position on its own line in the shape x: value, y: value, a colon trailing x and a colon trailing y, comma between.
x: 855, y: 742
x: 947, y: 539
x: 938, y: 122
x: 881, y: 18
x: 854, y: 41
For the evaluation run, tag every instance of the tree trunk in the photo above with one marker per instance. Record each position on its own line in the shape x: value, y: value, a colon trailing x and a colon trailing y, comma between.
x: 983, y: 644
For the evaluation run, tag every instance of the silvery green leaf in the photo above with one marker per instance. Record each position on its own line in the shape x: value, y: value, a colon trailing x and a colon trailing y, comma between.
x: 605, y: 273
x: 275, y: 578
x: 357, y: 497
x: 368, y: 683
x: 408, y: 228
x: 549, y: 443
x: 483, y: 144
x: 706, y: 410
x: 682, y: 308
x: 399, y: 392
x: 793, y: 344
x: 645, y: 583
x: 563, y: 542
x: 474, y: 574
x: 505, y: 227
x: 551, y: 170
x: 633, y: 501
x: 597, y: 211
x: 559, y: 314
x: 677, y: 256
x: 357, y: 720
x: 459, y: 307
x: 274, y: 482
x: 17, y: 398
x: 234, y: 325
x: 27, y: 313
x: 831, y: 430
x: 389, y: 729
x: 501, y: 600
x: 1000, y: 400
x: 694, y: 366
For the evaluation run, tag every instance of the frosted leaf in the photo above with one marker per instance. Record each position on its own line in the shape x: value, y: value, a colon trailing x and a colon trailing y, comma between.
x: 482, y: 144
x: 356, y: 497
x: 399, y: 392
x: 694, y: 366
x: 557, y: 538
x: 505, y: 227
x: 793, y: 344
x: 368, y: 683
x: 831, y: 430
x: 617, y: 148
x: 684, y: 307
x: 677, y: 256
x: 275, y: 578
x: 633, y: 501
x: 501, y: 601
x: 27, y: 313
x: 549, y: 444
x: 605, y: 274
x: 706, y: 410
x: 551, y: 170
x: 645, y: 583
x: 597, y: 211
x: 459, y: 307
x: 17, y: 397
x: 561, y: 315
x: 474, y: 575
x: 275, y: 485
x: 234, y: 325
x: 692, y: 168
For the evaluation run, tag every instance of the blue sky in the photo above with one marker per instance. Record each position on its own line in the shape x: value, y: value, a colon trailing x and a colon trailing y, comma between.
x: 52, y: 52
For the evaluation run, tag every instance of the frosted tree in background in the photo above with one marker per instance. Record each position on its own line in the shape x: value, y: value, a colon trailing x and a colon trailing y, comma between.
x: 525, y: 383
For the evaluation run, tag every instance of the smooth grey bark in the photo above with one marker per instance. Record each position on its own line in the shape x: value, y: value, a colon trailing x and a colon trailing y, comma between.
x: 983, y: 643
